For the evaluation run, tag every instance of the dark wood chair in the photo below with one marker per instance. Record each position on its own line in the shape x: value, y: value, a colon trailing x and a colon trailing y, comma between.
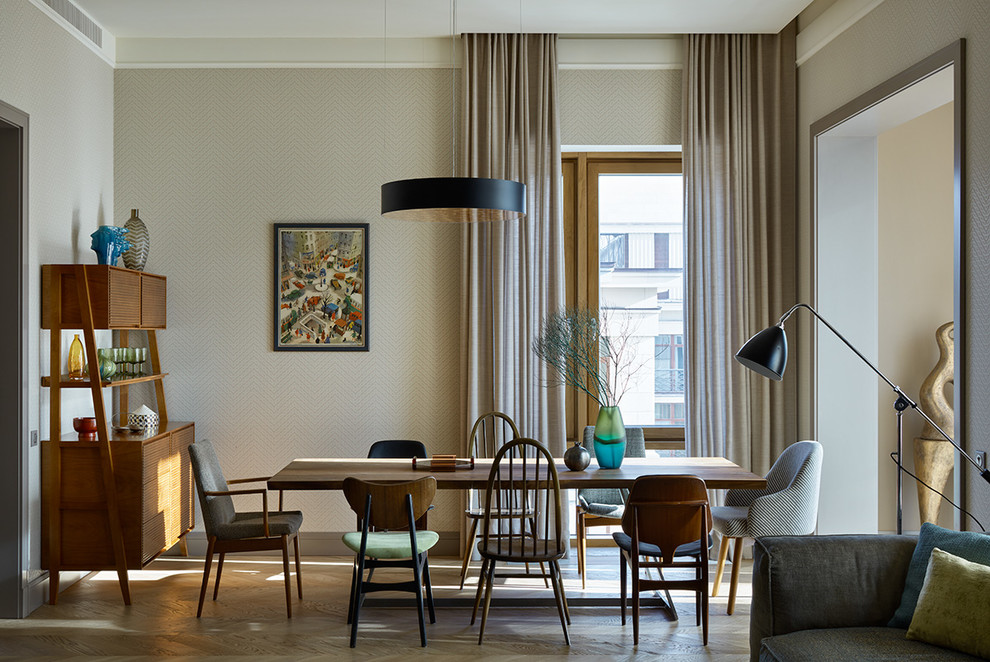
x: 666, y: 518
x: 522, y: 478
x: 400, y: 448
x: 488, y: 434
x: 383, y: 509
x: 230, y: 531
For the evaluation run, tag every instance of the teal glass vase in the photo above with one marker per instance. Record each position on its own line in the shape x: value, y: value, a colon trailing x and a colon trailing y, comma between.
x: 610, y: 438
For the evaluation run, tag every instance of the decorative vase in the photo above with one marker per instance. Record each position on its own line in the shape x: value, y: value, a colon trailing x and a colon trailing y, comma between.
x: 933, y: 455
x: 109, y: 243
x: 610, y: 438
x: 136, y: 256
x: 107, y: 366
x: 75, y: 366
x: 577, y: 457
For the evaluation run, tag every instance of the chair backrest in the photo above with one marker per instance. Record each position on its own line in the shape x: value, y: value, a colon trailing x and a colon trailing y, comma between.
x: 635, y: 441
x: 523, y: 478
x: 490, y: 432
x: 800, y: 463
x: 635, y: 447
x: 667, y: 511
x: 397, y: 448
x: 217, y: 510
x: 388, y: 500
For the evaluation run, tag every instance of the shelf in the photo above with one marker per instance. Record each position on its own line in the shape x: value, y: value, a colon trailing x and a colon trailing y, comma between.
x: 107, y: 383
x: 72, y: 438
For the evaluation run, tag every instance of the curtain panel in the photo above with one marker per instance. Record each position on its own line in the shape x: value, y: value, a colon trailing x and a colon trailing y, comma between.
x: 740, y: 162
x: 512, y: 272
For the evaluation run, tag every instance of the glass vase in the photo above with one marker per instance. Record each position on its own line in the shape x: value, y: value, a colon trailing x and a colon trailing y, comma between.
x: 76, y: 362
x: 610, y: 438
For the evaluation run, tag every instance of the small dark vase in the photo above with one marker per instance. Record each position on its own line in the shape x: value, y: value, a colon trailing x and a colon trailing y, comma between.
x: 577, y: 457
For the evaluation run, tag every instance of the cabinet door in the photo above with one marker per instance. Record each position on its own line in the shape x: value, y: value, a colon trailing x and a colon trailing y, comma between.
x: 152, y: 301
x: 156, y: 496
x: 125, y: 298
x: 184, y: 485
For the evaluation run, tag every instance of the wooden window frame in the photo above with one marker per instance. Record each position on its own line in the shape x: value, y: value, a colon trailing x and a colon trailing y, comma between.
x: 580, y: 211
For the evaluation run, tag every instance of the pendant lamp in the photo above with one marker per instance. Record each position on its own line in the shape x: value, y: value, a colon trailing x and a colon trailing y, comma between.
x: 453, y: 199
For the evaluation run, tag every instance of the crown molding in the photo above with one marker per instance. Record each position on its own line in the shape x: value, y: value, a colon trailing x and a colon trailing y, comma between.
x: 834, y: 21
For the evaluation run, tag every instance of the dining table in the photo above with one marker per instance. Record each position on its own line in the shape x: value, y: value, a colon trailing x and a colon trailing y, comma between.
x: 328, y: 474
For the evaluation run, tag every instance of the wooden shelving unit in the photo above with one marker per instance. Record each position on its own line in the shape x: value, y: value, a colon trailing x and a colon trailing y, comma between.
x: 117, y: 502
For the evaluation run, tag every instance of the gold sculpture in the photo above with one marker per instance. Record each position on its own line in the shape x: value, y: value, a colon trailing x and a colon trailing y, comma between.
x: 933, y: 455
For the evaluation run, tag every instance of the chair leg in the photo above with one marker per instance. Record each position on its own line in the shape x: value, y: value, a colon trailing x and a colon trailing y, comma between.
x: 489, y: 581
x: 295, y: 543
x: 216, y: 581
x: 418, y: 583
x: 635, y: 600
x: 563, y: 595
x: 697, y: 594
x: 736, y: 562
x: 469, y: 550
x: 704, y: 606
x: 429, y: 588
x: 558, y: 595
x: 354, y: 581
x: 481, y: 587
x: 206, y: 574
x: 582, y: 546
x: 358, y: 591
x: 288, y: 576
x: 622, y: 585
x: 723, y: 551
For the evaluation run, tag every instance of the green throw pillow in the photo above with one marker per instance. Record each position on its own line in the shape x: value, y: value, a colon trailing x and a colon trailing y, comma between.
x: 953, y: 608
x: 971, y: 546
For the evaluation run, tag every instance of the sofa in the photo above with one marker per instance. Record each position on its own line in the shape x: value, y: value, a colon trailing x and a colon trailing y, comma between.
x: 830, y: 598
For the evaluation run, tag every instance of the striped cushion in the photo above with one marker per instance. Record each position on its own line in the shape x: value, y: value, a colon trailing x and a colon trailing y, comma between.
x: 731, y: 521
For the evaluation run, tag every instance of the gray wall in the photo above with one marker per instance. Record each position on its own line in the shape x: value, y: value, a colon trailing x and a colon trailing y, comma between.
x: 894, y: 36
x: 67, y: 91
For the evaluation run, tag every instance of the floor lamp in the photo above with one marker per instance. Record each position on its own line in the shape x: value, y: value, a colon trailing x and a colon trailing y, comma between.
x: 766, y: 354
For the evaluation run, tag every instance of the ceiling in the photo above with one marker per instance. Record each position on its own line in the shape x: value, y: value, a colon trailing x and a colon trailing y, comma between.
x: 432, y: 18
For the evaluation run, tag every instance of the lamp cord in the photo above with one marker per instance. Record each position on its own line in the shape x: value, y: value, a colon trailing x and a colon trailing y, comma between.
x: 953, y: 503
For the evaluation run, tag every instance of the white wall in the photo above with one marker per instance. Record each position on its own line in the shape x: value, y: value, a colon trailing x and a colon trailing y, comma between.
x: 67, y: 91
x: 847, y: 298
x: 915, y: 189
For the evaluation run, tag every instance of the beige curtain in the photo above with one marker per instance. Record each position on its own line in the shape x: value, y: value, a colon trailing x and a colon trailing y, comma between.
x: 740, y: 215
x: 512, y: 272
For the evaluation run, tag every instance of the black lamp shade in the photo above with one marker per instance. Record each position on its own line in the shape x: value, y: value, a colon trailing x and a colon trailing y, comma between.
x: 454, y: 199
x: 766, y: 353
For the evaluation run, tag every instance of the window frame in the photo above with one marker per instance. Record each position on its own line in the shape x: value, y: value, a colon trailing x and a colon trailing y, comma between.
x: 580, y: 211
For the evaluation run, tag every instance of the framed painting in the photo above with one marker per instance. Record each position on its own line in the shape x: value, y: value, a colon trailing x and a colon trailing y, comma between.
x: 321, y: 286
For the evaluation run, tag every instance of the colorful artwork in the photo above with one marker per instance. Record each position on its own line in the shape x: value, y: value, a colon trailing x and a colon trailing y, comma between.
x: 321, y: 286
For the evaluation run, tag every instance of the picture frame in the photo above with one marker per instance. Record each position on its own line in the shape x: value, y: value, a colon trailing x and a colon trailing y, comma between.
x: 321, y: 287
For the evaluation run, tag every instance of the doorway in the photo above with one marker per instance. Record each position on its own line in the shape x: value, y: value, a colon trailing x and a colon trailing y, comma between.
x: 871, y: 296
x: 14, y: 537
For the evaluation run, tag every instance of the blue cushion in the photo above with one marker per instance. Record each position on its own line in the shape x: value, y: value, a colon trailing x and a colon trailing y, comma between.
x: 971, y: 546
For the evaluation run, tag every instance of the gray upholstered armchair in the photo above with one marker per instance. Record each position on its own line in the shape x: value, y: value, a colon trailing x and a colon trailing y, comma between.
x: 787, y: 506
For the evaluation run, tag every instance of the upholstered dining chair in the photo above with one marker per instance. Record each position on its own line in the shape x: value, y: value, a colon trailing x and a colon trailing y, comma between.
x: 787, y: 506
x: 602, y: 506
x: 666, y: 519
x: 397, y: 448
x: 488, y: 434
x: 382, y: 508
x: 523, y: 476
x: 230, y: 531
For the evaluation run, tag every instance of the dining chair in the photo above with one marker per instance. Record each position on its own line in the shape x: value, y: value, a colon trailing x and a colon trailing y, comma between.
x: 397, y: 448
x: 787, y: 506
x: 666, y: 519
x: 523, y: 477
x: 489, y: 433
x: 230, y: 531
x: 383, y: 509
x: 602, y: 506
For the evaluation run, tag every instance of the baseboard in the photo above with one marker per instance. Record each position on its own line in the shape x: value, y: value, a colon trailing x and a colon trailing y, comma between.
x: 321, y: 543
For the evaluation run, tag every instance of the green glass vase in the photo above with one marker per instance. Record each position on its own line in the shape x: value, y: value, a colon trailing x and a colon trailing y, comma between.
x: 610, y: 438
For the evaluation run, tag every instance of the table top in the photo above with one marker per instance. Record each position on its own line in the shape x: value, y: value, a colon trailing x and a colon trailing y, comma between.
x: 329, y: 473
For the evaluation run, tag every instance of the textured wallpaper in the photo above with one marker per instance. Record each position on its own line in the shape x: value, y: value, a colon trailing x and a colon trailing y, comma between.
x: 68, y: 93
x: 213, y: 158
x: 894, y: 36
x: 620, y: 107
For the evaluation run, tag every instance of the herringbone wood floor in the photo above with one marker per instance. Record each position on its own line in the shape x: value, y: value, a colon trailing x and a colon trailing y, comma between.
x: 249, y: 618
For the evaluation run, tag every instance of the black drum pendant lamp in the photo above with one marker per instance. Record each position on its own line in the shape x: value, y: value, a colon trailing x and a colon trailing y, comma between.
x: 453, y: 199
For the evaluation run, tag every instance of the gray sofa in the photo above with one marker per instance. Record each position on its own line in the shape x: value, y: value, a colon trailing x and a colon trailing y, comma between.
x: 830, y: 598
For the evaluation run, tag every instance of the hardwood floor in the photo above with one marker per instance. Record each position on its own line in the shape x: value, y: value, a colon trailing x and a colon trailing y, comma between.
x: 249, y: 619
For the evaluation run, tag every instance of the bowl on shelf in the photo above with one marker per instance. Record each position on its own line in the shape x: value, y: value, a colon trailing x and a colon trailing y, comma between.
x: 142, y: 420
x: 85, y: 426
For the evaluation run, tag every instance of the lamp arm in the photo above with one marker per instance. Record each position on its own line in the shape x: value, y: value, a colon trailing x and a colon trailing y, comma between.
x: 908, y: 402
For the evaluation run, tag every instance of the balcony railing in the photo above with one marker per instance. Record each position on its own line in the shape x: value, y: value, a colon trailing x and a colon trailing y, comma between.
x: 669, y: 381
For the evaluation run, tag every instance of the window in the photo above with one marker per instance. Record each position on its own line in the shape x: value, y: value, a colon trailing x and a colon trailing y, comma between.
x: 624, y: 223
